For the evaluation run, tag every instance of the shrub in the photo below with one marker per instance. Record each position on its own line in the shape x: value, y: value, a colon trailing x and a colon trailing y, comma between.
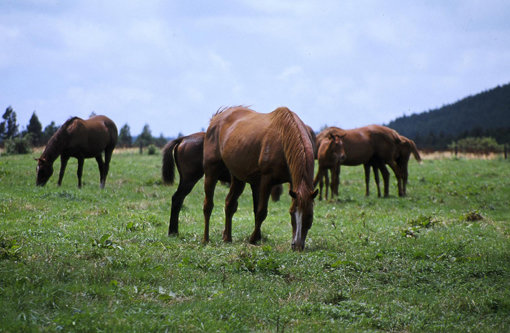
x: 151, y: 149
x: 18, y: 145
x: 477, y: 145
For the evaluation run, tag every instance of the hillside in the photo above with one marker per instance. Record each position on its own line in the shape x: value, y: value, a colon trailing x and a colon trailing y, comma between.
x: 484, y: 114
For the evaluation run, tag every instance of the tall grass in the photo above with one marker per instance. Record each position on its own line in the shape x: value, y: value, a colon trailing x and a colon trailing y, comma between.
x: 92, y: 260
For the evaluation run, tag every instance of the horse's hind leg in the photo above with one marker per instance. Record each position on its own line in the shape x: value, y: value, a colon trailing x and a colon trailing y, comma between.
x: 326, y: 176
x: 386, y: 180
x: 107, y: 159
x: 260, y: 215
x: 79, y: 173
x: 231, y: 203
x: 63, y: 164
x: 376, y: 178
x: 101, y: 165
x: 398, y: 175
x: 184, y: 188
x: 366, y: 166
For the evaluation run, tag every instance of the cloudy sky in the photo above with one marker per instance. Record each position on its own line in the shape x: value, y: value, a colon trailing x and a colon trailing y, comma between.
x: 172, y: 64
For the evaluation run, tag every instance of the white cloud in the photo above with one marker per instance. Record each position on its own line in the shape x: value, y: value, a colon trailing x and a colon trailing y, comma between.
x: 344, y: 63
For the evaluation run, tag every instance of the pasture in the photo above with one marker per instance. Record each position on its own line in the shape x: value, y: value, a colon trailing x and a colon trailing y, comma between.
x: 90, y: 260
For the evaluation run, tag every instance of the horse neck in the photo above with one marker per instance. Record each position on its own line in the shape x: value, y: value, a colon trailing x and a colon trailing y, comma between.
x: 298, y: 150
x: 54, y: 147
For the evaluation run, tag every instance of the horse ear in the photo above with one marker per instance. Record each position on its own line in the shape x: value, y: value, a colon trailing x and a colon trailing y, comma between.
x: 292, y: 194
x: 314, y: 194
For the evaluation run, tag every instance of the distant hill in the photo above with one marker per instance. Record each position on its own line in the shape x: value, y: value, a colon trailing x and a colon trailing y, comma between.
x: 484, y: 114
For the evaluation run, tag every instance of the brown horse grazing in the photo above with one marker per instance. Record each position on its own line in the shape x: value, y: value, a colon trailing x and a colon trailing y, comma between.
x: 80, y: 139
x: 370, y: 145
x: 187, y: 154
x: 405, y: 148
x: 262, y: 150
x: 330, y: 154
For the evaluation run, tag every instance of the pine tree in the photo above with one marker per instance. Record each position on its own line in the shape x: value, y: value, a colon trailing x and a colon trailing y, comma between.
x: 8, y: 127
x: 125, y: 138
x: 48, y: 132
x: 145, y: 138
x: 34, y: 129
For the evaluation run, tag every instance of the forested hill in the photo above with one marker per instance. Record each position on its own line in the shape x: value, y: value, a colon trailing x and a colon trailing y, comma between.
x: 484, y: 114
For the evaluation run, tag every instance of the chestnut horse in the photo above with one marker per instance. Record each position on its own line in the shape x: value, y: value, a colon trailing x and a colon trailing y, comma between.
x: 262, y: 150
x: 405, y: 148
x: 330, y: 154
x: 80, y: 139
x: 372, y: 146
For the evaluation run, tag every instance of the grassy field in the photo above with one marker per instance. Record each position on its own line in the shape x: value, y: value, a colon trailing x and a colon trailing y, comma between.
x: 91, y: 260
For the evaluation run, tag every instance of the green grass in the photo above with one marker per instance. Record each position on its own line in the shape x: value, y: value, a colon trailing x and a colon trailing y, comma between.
x: 92, y: 260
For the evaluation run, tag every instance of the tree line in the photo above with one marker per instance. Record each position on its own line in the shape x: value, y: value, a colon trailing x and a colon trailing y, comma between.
x: 16, y: 141
x: 486, y: 114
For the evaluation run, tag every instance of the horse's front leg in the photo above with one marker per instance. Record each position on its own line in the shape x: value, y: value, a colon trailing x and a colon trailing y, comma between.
x: 318, y: 179
x: 231, y: 203
x: 335, y: 179
x: 263, y: 194
x: 80, y: 170
x: 63, y: 163
x: 101, y: 166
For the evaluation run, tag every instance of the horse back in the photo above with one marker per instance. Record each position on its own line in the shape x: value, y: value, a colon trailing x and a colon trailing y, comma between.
x: 92, y: 136
x: 239, y: 139
x: 357, y: 146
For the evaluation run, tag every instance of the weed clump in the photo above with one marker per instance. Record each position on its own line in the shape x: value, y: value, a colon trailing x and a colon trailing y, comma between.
x: 473, y: 216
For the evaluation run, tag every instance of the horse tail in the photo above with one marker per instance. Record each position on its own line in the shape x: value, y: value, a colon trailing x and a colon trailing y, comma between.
x: 414, y: 150
x: 168, y: 168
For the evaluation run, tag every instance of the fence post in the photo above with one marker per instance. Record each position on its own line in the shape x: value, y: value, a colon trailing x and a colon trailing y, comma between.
x: 505, y: 150
x: 456, y: 150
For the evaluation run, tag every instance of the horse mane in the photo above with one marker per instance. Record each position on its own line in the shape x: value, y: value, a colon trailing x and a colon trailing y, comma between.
x: 54, y: 145
x: 221, y: 109
x: 294, y: 134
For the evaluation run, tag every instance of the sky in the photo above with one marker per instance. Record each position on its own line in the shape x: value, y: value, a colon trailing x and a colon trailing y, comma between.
x: 172, y: 64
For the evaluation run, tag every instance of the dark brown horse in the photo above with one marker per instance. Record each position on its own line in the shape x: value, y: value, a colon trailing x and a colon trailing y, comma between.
x: 262, y: 150
x: 405, y: 148
x: 371, y: 146
x: 186, y: 153
x: 80, y: 139
x: 330, y: 154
